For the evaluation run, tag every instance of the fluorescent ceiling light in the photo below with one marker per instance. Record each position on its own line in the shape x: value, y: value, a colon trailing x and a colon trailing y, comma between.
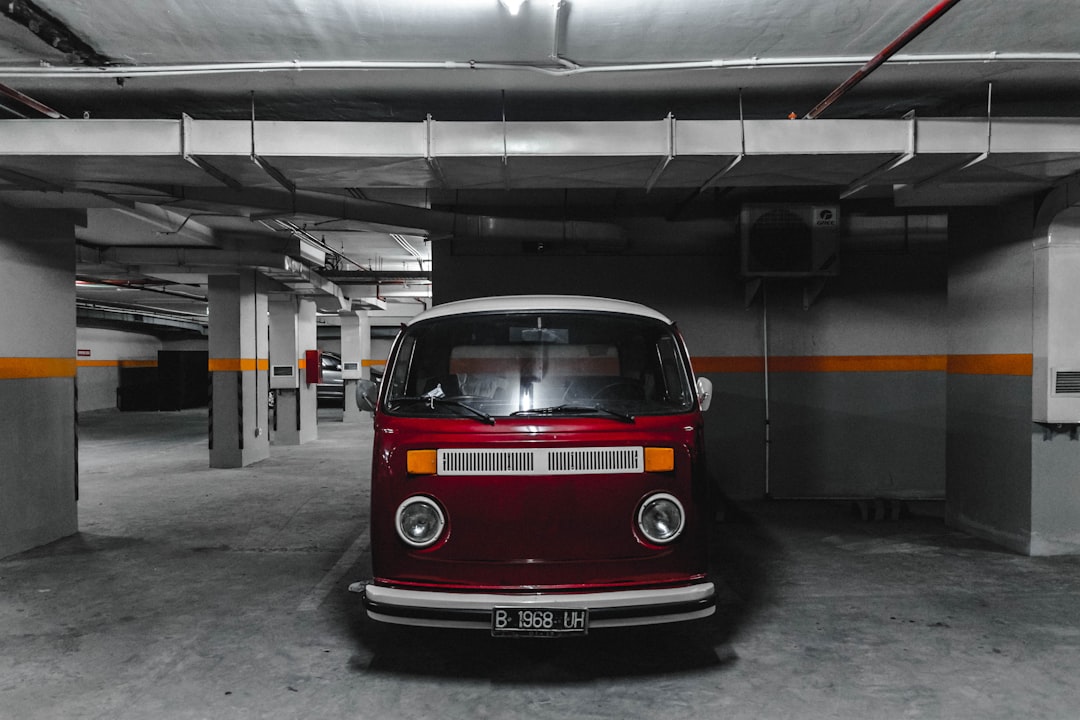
x: 512, y: 6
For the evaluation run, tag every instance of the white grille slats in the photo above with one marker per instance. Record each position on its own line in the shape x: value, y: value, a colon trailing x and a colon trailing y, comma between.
x: 541, y: 461
x: 486, y: 462
x: 1067, y: 382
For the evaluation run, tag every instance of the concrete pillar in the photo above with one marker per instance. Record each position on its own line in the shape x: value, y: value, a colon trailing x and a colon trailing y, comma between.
x: 38, y: 430
x: 355, y: 348
x: 239, y: 364
x: 1055, y: 440
x: 1012, y: 452
x: 306, y: 339
x: 294, y: 418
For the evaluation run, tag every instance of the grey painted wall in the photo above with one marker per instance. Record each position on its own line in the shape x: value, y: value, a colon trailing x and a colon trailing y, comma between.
x: 98, y: 383
x: 823, y: 423
x: 989, y: 416
x: 989, y: 458
x: 861, y: 433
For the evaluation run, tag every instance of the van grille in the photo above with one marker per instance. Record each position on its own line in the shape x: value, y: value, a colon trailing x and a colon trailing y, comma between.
x: 486, y: 462
x: 595, y: 460
x: 566, y: 461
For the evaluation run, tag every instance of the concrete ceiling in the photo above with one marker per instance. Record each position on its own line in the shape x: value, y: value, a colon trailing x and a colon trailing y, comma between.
x: 269, y: 132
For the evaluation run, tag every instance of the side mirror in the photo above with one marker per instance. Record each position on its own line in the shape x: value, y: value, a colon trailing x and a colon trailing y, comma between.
x: 366, y: 394
x: 704, y: 393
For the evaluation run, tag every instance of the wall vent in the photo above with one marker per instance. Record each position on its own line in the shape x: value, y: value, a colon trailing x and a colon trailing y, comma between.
x: 1067, y: 382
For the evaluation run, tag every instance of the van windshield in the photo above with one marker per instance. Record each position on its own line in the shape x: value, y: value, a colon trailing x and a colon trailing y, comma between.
x: 489, y: 365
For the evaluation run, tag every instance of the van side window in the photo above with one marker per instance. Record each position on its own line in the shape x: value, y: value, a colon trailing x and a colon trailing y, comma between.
x: 670, y: 361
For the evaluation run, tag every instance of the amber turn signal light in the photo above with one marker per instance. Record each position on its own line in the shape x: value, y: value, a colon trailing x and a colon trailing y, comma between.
x: 422, y: 462
x: 659, y: 459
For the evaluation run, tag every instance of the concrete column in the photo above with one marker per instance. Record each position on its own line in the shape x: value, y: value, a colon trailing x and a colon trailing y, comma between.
x: 306, y: 339
x: 1055, y: 440
x: 355, y: 348
x: 38, y: 429
x: 239, y: 364
x: 1013, y: 432
x: 292, y: 331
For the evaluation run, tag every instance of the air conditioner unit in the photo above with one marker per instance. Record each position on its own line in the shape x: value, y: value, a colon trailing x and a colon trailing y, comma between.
x: 797, y: 241
x: 1056, y: 331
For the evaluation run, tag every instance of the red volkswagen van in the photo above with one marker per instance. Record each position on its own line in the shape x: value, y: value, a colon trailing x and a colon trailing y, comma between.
x: 538, y: 470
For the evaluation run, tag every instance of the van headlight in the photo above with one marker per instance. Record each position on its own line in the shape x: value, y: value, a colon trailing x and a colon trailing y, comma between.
x: 660, y: 518
x: 420, y: 521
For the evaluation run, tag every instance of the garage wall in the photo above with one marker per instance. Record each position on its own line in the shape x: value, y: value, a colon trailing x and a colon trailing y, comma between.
x: 101, y: 354
x: 864, y: 367
x: 200, y: 344
x: 380, y: 350
x: 857, y: 382
x: 989, y: 460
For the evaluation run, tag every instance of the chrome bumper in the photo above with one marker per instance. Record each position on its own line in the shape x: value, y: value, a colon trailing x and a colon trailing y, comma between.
x: 618, y: 608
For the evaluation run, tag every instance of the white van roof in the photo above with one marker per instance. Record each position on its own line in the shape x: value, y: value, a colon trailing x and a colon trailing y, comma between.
x: 530, y: 303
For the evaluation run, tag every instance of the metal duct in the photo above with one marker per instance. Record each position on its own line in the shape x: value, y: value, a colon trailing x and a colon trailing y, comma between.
x: 893, y: 233
x: 435, y: 224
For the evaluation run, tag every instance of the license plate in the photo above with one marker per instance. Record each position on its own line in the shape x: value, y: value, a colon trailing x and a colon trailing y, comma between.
x: 539, y: 622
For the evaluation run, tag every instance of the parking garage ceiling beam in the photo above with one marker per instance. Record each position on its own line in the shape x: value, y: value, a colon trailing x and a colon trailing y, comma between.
x: 309, y: 141
x: 117, y: 155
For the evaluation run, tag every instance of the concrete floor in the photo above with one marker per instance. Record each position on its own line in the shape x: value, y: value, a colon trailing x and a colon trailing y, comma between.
x: 198, y: 593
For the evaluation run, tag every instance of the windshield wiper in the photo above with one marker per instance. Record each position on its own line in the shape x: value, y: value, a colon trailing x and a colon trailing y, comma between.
x: 575, y: 410
x: 432, y: 401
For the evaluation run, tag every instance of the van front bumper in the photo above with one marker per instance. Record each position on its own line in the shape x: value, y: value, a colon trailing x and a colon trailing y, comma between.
x: 617, y: 608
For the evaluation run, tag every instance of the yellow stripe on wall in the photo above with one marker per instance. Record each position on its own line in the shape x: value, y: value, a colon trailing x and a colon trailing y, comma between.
x: 990, y: 364
x: 138, y: 363
x: 117, y: 363
x: 957, y: 364
x: 22, y: 368
x: 238, y: 364
x: 372, y: 363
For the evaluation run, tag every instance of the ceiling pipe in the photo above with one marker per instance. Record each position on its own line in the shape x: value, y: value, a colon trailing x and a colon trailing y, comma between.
x: 434, y: 224
x: 128, y: 285
x: 929, y: 18
x: 133, y: 71
x: 141, y: 315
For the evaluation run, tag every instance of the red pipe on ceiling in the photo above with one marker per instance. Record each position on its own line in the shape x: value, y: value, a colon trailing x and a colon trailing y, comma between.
x: 931, y: 16
x: 30, y: 102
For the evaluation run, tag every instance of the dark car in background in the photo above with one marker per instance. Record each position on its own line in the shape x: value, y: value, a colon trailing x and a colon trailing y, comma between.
x: 331, y: 391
